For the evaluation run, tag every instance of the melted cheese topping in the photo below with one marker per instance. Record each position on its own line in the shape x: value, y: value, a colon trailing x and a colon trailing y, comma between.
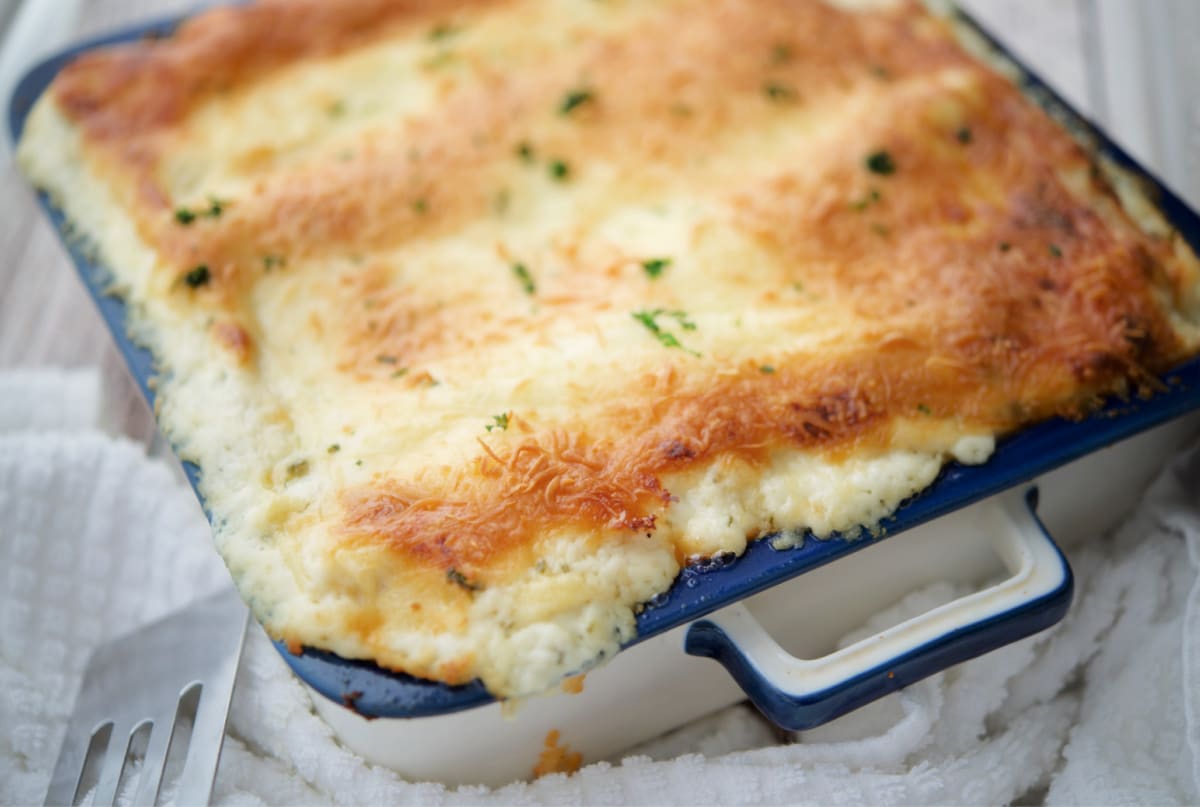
x: 481, y: 319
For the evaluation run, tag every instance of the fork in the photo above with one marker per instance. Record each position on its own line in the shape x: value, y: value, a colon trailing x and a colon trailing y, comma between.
x: 147, y: 681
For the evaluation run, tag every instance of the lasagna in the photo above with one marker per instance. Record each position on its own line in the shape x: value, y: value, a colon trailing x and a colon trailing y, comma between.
x: 483, y: 318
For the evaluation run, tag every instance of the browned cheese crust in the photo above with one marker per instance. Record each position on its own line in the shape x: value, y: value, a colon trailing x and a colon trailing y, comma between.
x: 900, y: 184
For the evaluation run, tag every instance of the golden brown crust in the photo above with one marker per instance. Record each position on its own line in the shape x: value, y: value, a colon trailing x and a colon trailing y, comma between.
x: 873, y: 174
x: 1011, y: 300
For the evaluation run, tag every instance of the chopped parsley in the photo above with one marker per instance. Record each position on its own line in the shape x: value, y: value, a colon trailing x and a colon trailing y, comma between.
x: 781, y: 53
x: 525, y: 151
x: 880, y: 230
x: 420, y: 207
x: 1054, y: 250
x: 526, y: 279
x: 186, y: 216
x: 501, y: 201
x: 197, y: 277
x: 766, y: 369
x: 500, y: 422
x: 384, y: 358
x: 459, y: 579
x: 655, y: 266
x: 272, y: 261
x: 403, y: 371
x: 336, y: 109
x: 333, y: 449
x: 649, y: 320
x: 358, y: 463
x: 779, y: 92
x: 879, y: 71
x: 924, y: 410
x: 881, y: 162
x: 964, y: 135
x: 575, y: 99
x: 443, y: 31
x: 559, y: 170
x: 297, y: 470
x: 872, y: 197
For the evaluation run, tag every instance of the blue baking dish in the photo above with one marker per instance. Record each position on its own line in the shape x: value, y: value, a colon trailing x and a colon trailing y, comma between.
x: 701, y: 590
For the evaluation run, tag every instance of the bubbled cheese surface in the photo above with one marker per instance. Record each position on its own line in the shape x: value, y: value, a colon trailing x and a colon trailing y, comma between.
x: 481, y: 319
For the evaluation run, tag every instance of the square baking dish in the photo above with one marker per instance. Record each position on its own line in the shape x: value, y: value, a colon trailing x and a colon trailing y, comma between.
x: 717, y: 609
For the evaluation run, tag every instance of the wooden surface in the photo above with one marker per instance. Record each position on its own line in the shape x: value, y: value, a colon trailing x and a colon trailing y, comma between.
x: 46, y: 317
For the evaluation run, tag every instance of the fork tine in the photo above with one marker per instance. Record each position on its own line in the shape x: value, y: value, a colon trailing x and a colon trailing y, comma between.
x: 212, y: 712
x: 139, y: 679
x: 156, y: 757
x: 68, y: 770
x: 110, y: 768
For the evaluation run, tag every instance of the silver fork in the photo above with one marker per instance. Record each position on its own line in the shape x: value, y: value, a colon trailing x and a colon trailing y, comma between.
x: 146, y: 681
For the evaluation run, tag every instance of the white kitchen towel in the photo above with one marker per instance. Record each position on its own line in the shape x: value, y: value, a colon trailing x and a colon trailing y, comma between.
x: 95, y: 538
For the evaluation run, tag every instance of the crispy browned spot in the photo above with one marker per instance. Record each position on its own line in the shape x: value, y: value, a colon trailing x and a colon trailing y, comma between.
x: 233, y: 337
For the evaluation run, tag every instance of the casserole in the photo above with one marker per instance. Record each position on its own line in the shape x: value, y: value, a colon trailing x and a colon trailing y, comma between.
x: 697, y: 593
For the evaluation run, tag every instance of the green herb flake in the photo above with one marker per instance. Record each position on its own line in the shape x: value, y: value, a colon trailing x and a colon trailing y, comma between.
x: 781, y: 54
x: 880, y: 72
x: 924, y: 410
x: 273, y: 262
x: 880, y: 230
x: 575, y: 99
x: 1054, y: 250
x: 459, y: 579
x: 297, y: 470
x: 384, y: 358
x: 333, y: 449
x: 880, y: 162
x: 499, y: 422
x: 559, y: 170
x: 443, y: 31
x: 655, y: 266
x: 358, y: 463
x: 403, y: 371
x: 872, y: 197
x: 197, y: 277
x: 766, y: 369
x: 215, y: 207
x: 420, y: 207
x: 184, y: 216
x: 501, y: 201
x: 336, y: 109
x: 649, y: 319
x: 963, y: 135
x: 525, y: 151
x: 525, y: 278
x: 779, y: 92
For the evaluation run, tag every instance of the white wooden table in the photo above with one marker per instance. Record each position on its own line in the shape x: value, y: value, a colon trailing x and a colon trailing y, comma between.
x: 46, y: 317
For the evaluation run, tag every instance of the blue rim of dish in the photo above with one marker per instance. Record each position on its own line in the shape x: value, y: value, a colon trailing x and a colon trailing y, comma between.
x: 376, y: 692
x: 796, y: 712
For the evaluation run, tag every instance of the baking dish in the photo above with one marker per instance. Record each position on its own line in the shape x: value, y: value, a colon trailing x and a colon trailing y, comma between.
x: 1034, y: 596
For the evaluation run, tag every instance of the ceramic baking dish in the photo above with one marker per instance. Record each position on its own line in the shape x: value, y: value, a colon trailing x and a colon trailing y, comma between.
x: 775, y: 639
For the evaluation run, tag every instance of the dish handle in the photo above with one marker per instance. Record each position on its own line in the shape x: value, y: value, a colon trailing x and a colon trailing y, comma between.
x: 798, y: 693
